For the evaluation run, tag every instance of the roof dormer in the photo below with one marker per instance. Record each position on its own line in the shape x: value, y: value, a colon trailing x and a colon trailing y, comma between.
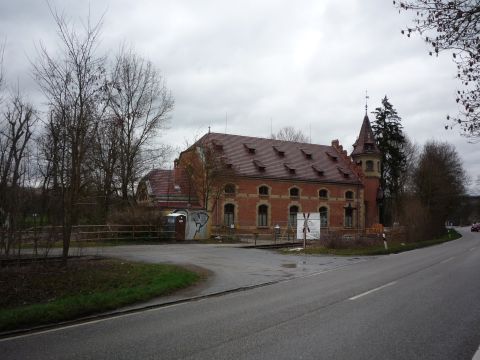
x: 291, y: 168
x: 331, y: 155
x: 259, y: 165
x: 250, y: 148
x: 307, y: 153
x: 318, y: 169
x: 280, y: 151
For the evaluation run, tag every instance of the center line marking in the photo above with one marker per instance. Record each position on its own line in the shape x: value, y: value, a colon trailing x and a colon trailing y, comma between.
x: 447, y: 260
x: 373, y: 290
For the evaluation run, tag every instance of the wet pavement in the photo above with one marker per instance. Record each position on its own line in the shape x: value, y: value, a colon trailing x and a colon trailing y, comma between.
x: 229, y: 267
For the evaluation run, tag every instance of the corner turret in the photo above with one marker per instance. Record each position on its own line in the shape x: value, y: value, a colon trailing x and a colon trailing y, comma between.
x: 368, y: 156
x: 366, y: 153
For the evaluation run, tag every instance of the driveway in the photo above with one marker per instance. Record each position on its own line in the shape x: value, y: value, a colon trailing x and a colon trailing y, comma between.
x: 230, y: 267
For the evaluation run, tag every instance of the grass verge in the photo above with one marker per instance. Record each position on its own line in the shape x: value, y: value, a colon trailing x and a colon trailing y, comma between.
x: 393, y: 248
x: 47, y: 293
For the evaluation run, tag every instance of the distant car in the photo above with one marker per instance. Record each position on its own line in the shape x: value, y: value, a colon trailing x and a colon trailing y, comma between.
x: 476, y: 227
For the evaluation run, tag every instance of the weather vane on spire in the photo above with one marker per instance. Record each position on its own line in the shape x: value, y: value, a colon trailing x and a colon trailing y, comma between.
x: 366, y: 101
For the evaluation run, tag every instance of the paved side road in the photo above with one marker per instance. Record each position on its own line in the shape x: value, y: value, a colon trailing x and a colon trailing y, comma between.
x: 231, y: 267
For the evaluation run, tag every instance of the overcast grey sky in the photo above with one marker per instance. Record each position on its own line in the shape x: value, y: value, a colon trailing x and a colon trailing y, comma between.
x: 251, y: 66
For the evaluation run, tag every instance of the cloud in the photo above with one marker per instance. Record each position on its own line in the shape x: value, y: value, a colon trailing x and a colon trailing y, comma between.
x: 253, y: 67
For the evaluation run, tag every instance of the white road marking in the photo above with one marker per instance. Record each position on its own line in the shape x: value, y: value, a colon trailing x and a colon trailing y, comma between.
x: 447, y: 260
x: 89, y: 322
x: 371, y: 291
x: 477, y: 355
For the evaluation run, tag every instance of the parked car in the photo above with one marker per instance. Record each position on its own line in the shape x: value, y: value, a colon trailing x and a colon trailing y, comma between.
x: 476, y: 227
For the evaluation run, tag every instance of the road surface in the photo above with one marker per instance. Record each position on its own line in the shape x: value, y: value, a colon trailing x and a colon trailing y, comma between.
x: 423, y: 304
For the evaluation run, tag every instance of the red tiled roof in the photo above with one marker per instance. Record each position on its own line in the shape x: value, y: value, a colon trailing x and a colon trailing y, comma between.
x: 365, y: 143
x: 283, y: 159
x: 170, y: 188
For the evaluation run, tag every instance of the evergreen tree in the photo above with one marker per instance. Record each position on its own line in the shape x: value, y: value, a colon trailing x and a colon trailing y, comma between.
x: 391, y: 141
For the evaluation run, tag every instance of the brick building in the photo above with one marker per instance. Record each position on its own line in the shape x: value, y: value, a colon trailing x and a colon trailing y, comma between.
x: 270, y: 181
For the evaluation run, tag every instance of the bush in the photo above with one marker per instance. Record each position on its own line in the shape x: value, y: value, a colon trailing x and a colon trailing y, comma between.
x: 137, y: 215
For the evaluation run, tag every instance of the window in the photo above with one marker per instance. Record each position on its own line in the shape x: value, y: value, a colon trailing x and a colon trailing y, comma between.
x: 369, y: 165
x: 294, y: 192
x: 263, y: 190
x: 378, y: 166
x: 349, y: 195
x: 263, y: 215
x: 292, y: 217
x: 348, y: 217
x: 323, y: 216
x: 230, y: 189
x: 229, y: 214
x: 323, y: 193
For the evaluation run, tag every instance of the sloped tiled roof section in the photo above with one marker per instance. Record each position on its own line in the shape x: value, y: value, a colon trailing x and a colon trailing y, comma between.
x: 365, y: 143
x: 276, y: 159
x: 170, y: 188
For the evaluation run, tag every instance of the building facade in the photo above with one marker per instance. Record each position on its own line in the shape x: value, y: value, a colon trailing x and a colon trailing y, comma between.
x: 253, y: 184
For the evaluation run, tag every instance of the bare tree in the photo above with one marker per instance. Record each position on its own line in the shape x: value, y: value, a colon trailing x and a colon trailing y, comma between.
x: 15, y: 137
x: 453, y: 25
x: 104, y: 162
x: 140, y: 103
x: 72, y: 83
x: 207, y: 172
x: 289, y: 133
x: 2, y: 79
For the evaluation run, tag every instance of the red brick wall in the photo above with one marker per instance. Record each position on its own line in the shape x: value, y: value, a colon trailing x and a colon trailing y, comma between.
x: 247, y: 200
x: 371, y: 187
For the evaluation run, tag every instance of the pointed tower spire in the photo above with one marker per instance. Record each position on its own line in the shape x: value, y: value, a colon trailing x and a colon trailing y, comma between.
x: 365, y: 143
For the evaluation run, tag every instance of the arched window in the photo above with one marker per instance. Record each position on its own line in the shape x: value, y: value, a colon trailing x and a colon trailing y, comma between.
x: 294, y: 192
x: 369, y: 165
x: 230, y: 189
x: 349, y: 195
x: 292, y: 217
x: 263, y: 215
x: 263, y: 190
x: 323, y: 216
x: 229, y: 214
x: 323, y: 194
x: 348, y: 221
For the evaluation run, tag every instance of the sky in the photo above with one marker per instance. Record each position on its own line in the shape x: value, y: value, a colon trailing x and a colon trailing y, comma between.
x: 252, y: 67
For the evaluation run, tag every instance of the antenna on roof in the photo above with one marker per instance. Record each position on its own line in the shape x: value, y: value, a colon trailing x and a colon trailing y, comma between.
x: 209, y: 129
x: 310, y: 133
x: 366, y: 101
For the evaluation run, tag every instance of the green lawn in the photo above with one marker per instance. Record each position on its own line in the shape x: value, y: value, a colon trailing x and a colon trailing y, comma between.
x: 46, y: 293
x: 393, y: 248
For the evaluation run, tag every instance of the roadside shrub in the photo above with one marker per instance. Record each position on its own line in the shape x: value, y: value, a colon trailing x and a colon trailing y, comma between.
x: 137, y: 215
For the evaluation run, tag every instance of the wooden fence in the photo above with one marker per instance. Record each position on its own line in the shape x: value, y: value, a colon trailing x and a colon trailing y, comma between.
x: 92, y: 233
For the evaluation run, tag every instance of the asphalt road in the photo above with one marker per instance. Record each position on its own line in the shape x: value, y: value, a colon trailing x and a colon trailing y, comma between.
x: 423, y: 304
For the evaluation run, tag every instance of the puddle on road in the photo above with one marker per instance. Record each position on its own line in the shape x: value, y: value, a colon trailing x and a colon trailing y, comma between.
x: 289, y: 265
